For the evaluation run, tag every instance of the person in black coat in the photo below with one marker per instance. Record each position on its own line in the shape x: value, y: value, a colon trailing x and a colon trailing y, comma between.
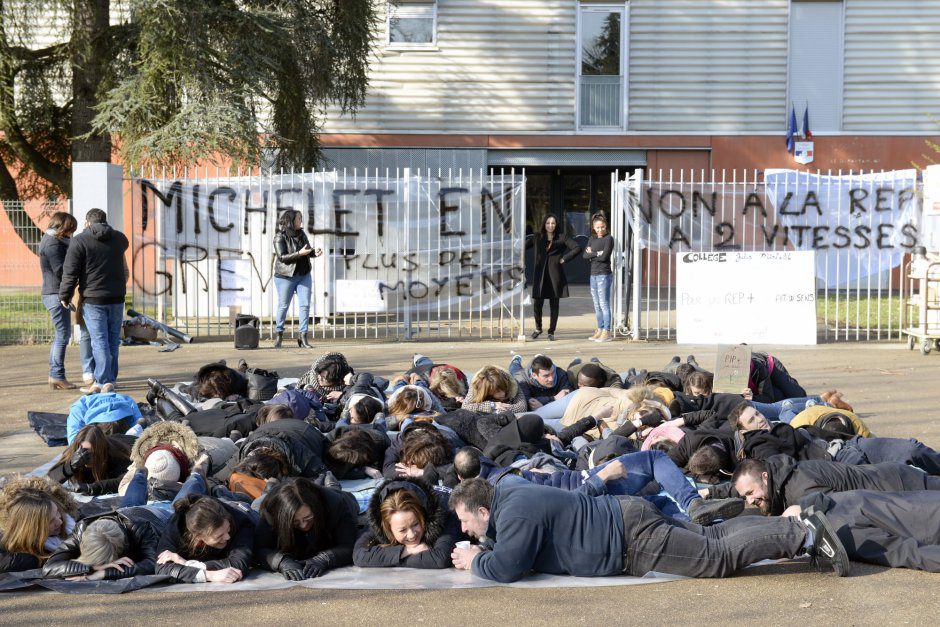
x: 301, y: 444
x: 305, y: 530
x: 110, y: 546
x: 410, y: 526
x: 552, y: 249
x: 52, y: 250
x: 292, y: 272
x: 94, y: 463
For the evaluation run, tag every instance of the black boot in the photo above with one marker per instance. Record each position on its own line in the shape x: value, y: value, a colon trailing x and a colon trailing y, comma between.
x: 162, y: 392
x: 278, y: 339
x: 302, y: 341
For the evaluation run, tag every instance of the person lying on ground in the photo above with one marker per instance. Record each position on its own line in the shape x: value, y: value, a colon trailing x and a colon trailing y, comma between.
x: 542, y: 382
x: 94, y: 462
x: 411, y: 402
x: 356, y: 452
x: 116, y: 413
x: 305, y: 530
x: 36, y: 516
x: 592, y: 374
x: 301, y: 444
x: 492, y: 390
x: 421, y: 450
x: 409, y: 525
x: 538, y: 528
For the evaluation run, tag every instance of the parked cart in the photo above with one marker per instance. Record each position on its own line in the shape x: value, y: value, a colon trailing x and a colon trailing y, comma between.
x: 924, y: 300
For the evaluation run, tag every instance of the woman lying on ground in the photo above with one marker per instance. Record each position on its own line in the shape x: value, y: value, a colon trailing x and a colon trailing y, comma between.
x: 305, y: 530
x: 36, y: 515
x: 94, y: 462
x: 409, y: 526
x: 492, y: 390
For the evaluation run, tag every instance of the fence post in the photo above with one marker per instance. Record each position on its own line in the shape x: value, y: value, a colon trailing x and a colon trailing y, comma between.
x: 637, y: 257
x: 408, y: 272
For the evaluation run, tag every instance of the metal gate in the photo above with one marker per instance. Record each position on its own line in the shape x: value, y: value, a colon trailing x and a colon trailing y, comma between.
x: 407, y: 254
x: 862, y: 226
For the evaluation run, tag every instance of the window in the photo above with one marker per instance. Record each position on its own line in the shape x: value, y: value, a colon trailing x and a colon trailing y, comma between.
x: 601, y: 67
x: 815, y: 80
x: 412, y: 25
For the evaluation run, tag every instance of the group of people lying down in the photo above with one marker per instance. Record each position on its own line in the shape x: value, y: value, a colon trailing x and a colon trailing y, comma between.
x: 584, y: 470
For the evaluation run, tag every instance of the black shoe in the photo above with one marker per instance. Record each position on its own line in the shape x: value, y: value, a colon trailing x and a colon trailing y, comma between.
x: 160, y: 391
x: 672, y: 365
x: 278, y: 339
x: 691, y: 361
x: 302, y: 341
x: 706, y: 511
x: 536, y: 334
x: 551, y: 337
x: 827, y: 549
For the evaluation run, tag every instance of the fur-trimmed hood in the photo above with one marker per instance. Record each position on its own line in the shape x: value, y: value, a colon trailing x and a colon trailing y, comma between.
x: 435, y: 515
x: 16, y: 484
x: 168, y: 432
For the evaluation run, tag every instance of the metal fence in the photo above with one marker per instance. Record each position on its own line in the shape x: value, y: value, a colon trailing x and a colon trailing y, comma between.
x: 408, y: 254
x: 862, y: 226
x: 23, y: 319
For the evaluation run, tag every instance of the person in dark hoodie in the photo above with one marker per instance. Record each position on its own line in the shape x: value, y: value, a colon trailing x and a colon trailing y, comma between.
x: 781, y: 481
x: 542, y: 383
x: 409, y: 526
x: 301, y: 444
x: 52, y: 251
x: 547, y: 530
x: 109, y: 546
x: 305, y: 530
x: 95, y: 263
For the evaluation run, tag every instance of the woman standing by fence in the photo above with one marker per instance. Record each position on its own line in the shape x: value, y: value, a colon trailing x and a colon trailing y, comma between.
x: 52, y: 249
x: 552, y: 250
x: 292, y: 273
x: 598, y: 251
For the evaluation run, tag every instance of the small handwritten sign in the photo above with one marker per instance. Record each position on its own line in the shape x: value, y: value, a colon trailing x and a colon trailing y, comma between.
x: 732, y: 369
x: 358, y: 296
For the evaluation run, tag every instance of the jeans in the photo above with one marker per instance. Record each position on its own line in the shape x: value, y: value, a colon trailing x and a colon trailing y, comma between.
x: 649, y: 466
x: 654, y: 542
x: 555, y: 410
x: 784, y: 410
x: 285, y: 292
x: 104, y: 326
x: 600, y: 293
x: 63, y: 331
x: 138, y: 492
x: 87, y: 355
x: 859, y: 450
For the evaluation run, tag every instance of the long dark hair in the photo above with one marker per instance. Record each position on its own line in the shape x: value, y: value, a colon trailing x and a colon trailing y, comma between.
x: 281, y: 504
x: 97, y: 468
x: 558, y: 227
x: 286, y: 221
x: 201, y: 515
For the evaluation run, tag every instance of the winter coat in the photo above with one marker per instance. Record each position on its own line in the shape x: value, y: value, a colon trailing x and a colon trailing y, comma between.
x: 551, y: 531
x: 441, y: 531
x: 99, y: 408
x: 549, y: 280
x: 769, y: 380
x: 169, y: 433
x: 142, y: 529
x: 433, y: 475
x: 236, y: 554
x: 720, y: 402
x: 545, y: 394
x: 333, y: 543
x: 815, y: 415
x: 301, y: 444
x: 288, y: 262
x: 693, y: 440
x: 221, y: 420
x: 517, y: 404
x: 52, y: 251
x: 613, y: 378
x: 601, y: 250
x: 590, y: 401
x: 118, y: 463
x: 562, y: 479
x: 95, y: 263
x: 801, y: 444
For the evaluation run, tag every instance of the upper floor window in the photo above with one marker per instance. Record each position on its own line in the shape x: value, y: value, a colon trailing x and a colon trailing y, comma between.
x: 412, y: 25
x: 601, y: 66
x: 815, y: 77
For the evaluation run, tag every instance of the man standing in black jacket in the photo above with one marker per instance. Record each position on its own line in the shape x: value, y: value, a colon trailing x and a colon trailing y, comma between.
x: 95, y: 262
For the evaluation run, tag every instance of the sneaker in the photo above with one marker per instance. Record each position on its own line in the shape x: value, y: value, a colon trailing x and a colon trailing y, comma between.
x: 517, y: 359
x: 827, y: 549
x: 94, y: 388
x: 597, y: 334
x: 706, y: 511
x: 605, y: 336
x: 107, y: 387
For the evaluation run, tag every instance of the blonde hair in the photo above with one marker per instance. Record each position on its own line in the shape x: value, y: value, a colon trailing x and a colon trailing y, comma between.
x: 444, y: 383
x: 491, y: 379
x: 642, y: 398
x: 410, y: 400
x: 28, y: 517
x: 401, y: 501
x: 102, y: 543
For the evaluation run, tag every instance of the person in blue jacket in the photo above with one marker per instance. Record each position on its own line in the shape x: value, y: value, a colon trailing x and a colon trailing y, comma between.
x: 101, y: 408
x: 538, y: 528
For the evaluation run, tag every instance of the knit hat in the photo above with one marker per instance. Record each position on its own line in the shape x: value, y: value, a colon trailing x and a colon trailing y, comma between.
x: 166, y: 463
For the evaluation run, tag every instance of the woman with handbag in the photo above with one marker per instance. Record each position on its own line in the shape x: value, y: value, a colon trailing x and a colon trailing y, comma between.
x: 552, y: 250
x: 292, y: 273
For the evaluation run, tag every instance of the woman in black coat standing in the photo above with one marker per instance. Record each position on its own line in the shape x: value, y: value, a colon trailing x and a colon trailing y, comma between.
x: 552, y: 250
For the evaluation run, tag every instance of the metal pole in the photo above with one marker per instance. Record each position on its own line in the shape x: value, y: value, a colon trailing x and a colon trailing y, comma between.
x: 637, y: 268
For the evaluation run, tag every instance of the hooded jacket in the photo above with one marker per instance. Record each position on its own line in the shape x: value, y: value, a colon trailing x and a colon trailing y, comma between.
x: 551, y: 531
x: 52, y: 251
x: 815, y: 415
x: 541, y: 393
x: 333, y: 544
x: 16, y: 562
x: 236, y: 554
x: 441, y: 531
x: 142, y: 530
x: 170, y: 433
x: 301, y: 444
x: 693, y: 440
x: 801, y: 444
x: 95, y: 262
x: 98, y: 408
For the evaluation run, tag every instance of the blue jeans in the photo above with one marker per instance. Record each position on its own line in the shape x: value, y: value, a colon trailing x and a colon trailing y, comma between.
x: 63, y: 331
x: 649, y: 466
x: 785, y: 410
x: 285, y: 292
x: 555, y: 410
x: 104, y: 326
x: 600, y: 293
x: 138, y: 492
x: 84, y: 350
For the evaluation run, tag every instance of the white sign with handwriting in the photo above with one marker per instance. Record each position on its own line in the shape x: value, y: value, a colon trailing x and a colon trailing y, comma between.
x: 754, y: 297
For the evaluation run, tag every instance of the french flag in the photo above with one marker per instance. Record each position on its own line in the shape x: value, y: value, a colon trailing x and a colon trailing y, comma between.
x: 806, y: 132
x: 792, y: 129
